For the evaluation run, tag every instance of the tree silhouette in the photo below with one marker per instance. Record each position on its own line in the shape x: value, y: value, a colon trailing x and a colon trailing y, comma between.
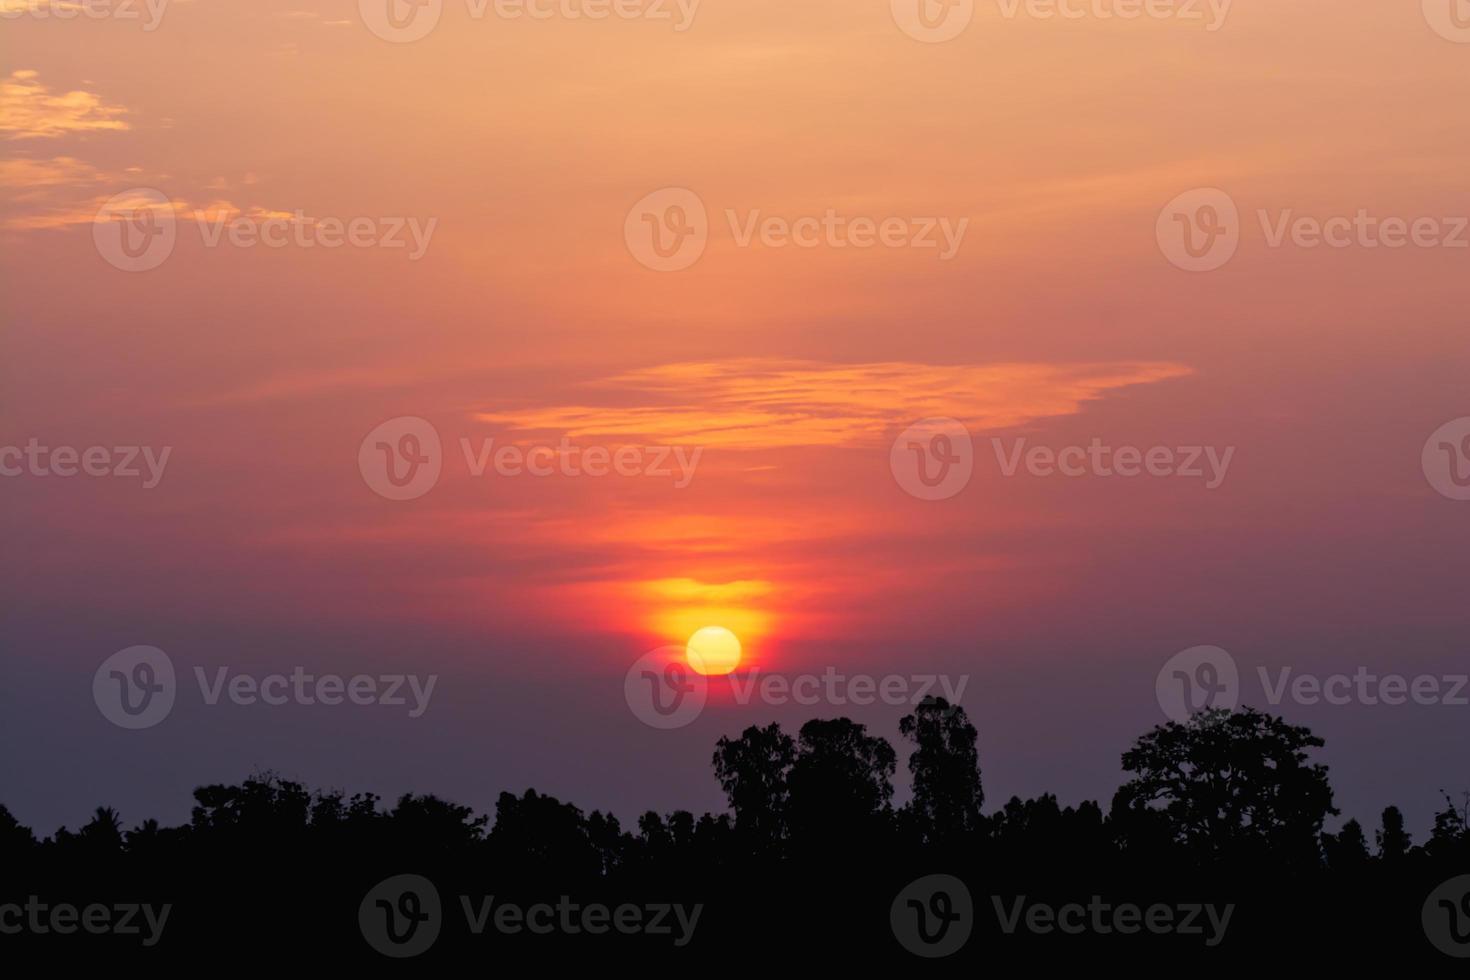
x: 1228, y: 805
x: 945, y: 771
x: 14, y: 838
x: 1233, y: 785
x: 753, y: 771
x: 1393, y: 841
x: 840, y: 784
x: 1347, y: 850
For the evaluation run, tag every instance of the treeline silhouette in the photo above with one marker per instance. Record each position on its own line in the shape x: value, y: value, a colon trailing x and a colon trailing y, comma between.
x: 1226, y: 808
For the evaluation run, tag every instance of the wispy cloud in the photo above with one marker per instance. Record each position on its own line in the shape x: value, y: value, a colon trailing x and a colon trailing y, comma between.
x: 765, y: 404
x: 29, y: 110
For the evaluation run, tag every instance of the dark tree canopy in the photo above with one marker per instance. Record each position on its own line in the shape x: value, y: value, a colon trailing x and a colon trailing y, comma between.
x: 841, y: 782
x: 945, y: 770
x: 1232, y: 784
x: 753, y: 771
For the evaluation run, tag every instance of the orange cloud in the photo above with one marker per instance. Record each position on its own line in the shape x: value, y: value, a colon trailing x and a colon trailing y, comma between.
x: 28, y: 110
x: 756, y: 403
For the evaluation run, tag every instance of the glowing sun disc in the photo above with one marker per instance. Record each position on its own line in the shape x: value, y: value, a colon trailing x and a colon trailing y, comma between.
x: 713, y: 650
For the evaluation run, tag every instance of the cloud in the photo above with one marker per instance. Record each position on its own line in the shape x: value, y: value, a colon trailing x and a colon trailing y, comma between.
x: 28, y: 110
x: 26, y: 174
x: 755, y: 403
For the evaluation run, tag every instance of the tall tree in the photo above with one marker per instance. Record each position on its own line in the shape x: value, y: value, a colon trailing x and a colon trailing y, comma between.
x: 841, y: 783
x: 1347, y: 850
x: 945, y: 768
x: 1393, y: 841
x: 753, y: 771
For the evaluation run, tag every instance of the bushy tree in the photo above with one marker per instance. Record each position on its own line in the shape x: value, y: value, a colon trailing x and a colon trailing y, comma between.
x: 1233, y: 784
x: 841, y: 783
x: 753, y: 771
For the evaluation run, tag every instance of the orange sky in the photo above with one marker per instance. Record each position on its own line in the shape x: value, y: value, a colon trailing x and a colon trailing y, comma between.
x: 527, y: 319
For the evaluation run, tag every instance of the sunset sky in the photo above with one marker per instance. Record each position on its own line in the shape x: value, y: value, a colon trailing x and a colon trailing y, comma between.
x: 520, y: 149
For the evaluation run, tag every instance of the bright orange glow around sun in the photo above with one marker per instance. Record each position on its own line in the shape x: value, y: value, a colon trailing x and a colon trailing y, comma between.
x: 713, y: 650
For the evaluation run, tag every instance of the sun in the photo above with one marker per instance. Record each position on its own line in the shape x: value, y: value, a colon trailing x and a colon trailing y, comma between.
x: 713, y: 650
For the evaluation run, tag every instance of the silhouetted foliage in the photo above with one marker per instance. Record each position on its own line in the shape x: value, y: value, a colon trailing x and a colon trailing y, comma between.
x: 1227, y: 806
x: 840, y: 785
x: 1233, y: 786
x: 1393, y: 841
x: 945, y: 771
x: 753, y: 771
